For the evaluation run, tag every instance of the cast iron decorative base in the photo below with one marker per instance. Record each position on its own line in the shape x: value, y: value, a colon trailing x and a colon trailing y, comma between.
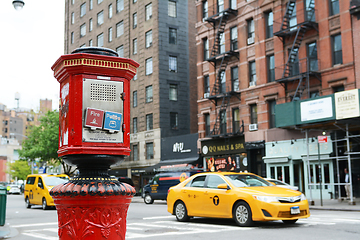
x: 92, y: 208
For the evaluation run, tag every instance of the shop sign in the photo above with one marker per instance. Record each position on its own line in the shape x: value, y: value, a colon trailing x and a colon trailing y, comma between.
x: 316, y: 109
x: 231, y: 146
x: 347, y: 104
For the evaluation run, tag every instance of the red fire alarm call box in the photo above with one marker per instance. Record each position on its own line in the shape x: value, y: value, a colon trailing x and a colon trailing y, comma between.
x: 94, y: 102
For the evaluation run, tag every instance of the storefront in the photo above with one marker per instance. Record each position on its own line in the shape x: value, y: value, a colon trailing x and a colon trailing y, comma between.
x: 224, y: 154
x: 291, y: 161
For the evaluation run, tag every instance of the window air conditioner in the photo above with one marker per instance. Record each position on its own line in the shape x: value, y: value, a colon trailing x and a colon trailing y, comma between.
x: 206, y: 95
x: 253, y: 127
x: 252, y: 84
x: 251, y: 40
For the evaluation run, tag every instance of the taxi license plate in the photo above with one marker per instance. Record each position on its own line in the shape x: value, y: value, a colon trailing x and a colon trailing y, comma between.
x: 295, y: 210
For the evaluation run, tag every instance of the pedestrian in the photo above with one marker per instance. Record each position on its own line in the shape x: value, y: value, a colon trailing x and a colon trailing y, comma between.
x: 347, y: 183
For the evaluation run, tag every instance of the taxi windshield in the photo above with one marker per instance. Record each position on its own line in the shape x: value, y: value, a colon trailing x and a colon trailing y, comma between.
x: 243, y: 180
x: 53, y: 181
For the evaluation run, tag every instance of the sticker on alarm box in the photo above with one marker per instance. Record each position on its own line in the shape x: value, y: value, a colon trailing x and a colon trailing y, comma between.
x: 112, y: 121
x: 94, y: 118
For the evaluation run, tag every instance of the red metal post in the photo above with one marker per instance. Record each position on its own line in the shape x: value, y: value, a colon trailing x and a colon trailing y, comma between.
x: 93, y: 135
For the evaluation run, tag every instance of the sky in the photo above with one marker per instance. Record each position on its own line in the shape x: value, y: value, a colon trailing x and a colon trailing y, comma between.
x: 32, y: 39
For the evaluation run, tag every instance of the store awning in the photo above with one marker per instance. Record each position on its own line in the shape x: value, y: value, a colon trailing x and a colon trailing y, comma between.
x: 173, y: 165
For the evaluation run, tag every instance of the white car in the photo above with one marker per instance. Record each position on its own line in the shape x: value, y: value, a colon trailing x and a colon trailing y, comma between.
x: 14, y: 189
x: 279, y: 183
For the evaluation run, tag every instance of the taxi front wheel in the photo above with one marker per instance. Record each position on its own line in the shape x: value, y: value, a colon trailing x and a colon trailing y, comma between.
x: 27, y: 203
x: 181, y: 212
x: 148, y: 199
x: 242, y: 214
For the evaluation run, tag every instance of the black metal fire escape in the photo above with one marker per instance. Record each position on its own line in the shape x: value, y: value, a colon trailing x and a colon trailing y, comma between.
x: 291, y: 72
x: 220, y: 61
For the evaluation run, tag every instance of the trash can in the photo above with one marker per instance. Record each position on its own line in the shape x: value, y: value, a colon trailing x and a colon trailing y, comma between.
x: 3, y: 196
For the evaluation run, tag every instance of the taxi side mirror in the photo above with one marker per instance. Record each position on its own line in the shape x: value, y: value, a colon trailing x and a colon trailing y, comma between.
x: 223, y: 186
x: 40, y: 185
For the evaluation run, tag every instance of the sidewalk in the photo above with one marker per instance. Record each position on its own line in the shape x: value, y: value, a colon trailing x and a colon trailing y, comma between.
x: 7, y: 232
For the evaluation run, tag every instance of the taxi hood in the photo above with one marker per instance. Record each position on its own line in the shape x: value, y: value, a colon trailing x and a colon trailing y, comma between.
x: 269, y: 191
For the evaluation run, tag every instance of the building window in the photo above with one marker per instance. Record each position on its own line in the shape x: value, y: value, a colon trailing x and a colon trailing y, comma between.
x: 135, y: 125
x: 252, y: 73
x: 90, y: 24
x: 100, y: 18
x: 222, y: 121
x: 338, y: 88
x: 171, y: 8
x: 91, y: 4
x: 233, y: 4
x: 236, y: 120
x: 150, y: 150
x: 82, y: 46
x: 312, y: 56
x: 110, y: 11
x: 148, y: 12
x: 334, y: 7
x: 83, y: 30
x: 90, y: 42
x: 235, y: 78
x: 172, y: 63
x: 174, y: 120
x: 100, y: 40
x: 223, y: 81
x: 82, y: 9
x: 134, y: 1
x: 99, y: 1
x: 207, y: 124
x: 148, y: 39
x: 269, y: 24
x: 120, y: 51
x: 119, y: 29
x: 336, y: 49
x: 251, y: 31
x: 110, y: 34
x: 149, y: 94
x: 148, y: 66
x: 206, y: 48
x: 134, y: 98
x: 72, y: 18
x: 253, y: 114
x: 72, y: 37
x: 220, y: 5
x: 149, y: 122
x: 271, y: 68
x: 172, y: 35
x: 234, y: 38
x: 206, y: 86
x: 271, y: 105
x: 134, y: 20
x: 135, y: 153
x: 173, y: 92
x: 135, y: 77
x: 119, y: 5
x: 293, y: 20
x: 222, y: 43
x: 135, y: 46
x: 205, y: 10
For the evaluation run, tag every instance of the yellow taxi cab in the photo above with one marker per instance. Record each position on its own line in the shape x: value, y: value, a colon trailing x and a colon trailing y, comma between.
x: 245, y: 197
x: 37, y: 187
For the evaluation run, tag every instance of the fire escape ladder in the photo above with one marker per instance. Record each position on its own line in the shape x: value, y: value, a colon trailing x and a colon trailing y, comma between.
x: 219, y: 76
x: 219, y: 31
x: 217, y: 126
x: 299, y: 89
x: 289, y: 11
x: 294, y: 51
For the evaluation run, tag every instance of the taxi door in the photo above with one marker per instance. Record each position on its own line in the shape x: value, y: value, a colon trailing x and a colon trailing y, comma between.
x: 192, y: 194
x: 37, y: 191
x: 217, y: 202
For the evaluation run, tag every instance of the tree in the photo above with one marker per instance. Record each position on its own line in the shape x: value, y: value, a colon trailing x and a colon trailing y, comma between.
x: 19, y: 169
x: 42, y: 142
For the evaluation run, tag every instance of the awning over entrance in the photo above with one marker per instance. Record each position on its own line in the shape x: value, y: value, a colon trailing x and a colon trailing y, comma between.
x: 174, y: 165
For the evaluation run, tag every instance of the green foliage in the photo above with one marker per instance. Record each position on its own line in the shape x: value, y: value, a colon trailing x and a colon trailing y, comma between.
x: 42, y: 141
x: 19, y: 169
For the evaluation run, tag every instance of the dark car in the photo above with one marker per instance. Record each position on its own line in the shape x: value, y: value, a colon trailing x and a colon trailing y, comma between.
x: 126, y: 180
x: 158, y: 187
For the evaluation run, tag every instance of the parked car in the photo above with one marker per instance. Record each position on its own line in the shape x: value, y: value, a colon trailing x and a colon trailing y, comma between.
x: 279, y: 183
x: 245, y: 197
x: 37, y: 189
x: 158, y: 187
x: 14, y: 189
